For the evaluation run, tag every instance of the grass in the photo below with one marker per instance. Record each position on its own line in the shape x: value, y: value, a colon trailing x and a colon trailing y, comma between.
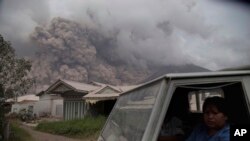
x: 18, y: 134
x: 89, y: 127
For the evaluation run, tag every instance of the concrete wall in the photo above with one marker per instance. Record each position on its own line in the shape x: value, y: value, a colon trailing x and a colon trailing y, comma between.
x: 49, y: 105
x: 43, y: 108
x: 19, y: 106
x: 57, y: 108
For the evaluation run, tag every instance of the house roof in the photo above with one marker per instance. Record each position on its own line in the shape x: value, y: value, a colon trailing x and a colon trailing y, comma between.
x: 94, y: 95
x: 28, y: 97
x: 76, y: 86
x: 93, y: 90
x: 126, y: 88
x: 80, y: 86
x: 118, y: 88
x: 27, y: 101
x: 102, y: 96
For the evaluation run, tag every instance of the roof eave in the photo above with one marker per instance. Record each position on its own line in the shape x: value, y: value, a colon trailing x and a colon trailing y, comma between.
x: 58, y: 82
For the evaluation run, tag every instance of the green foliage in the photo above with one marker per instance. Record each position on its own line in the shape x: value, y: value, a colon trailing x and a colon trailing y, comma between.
x: 19, y: 134
x: 13, y: 76
x: 13, y: 71
x: 81, y: 128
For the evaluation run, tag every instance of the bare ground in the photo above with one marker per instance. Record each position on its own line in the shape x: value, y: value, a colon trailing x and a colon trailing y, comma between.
x: 41, y: 136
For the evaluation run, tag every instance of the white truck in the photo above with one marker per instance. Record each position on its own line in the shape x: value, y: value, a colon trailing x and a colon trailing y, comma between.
x: 138, y: 114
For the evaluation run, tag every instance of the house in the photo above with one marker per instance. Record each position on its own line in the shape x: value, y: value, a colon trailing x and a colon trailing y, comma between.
x: 102, y: 100
x: 41, y: 104
x: 26, y: 102
x: 81, y: 99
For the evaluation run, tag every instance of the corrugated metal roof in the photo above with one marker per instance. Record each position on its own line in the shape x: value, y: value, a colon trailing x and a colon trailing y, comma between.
x: 92, y: 89
x: 101, y: 96
x: 27, y: 101
x: 30, y: 97
x: 126, y: 88
x: 80, y: 86
x: 76, y: 86
x: 104, y: 96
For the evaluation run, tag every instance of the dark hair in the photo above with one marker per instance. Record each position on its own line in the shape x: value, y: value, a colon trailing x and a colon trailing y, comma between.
x: 218, y: 102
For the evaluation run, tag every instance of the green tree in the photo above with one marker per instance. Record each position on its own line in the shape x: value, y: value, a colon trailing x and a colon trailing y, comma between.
x: 13, y: 71
x: 14, y: 80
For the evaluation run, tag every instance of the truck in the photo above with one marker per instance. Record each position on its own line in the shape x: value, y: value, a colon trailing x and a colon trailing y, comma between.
x: 139, y: 114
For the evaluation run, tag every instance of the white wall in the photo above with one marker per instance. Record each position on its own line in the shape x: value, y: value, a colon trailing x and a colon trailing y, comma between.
x: 49, y: 104
x: 19, y: 106
x: 57, y: 108
x: 42, y: 107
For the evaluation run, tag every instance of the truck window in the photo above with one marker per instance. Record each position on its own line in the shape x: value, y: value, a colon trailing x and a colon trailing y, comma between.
x: 196, y: 98
x: 173, y: 126
x: 130, y: 116
x: 187, y: 101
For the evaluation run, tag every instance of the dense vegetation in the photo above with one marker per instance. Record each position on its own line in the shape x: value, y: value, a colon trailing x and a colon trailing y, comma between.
x: 89, y: 127
x: 14, y: 79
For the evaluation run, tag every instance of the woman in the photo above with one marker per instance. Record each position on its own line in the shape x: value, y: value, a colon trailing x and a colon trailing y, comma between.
x: 215, y: 127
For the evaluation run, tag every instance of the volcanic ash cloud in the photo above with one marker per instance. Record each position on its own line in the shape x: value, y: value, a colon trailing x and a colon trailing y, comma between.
x: 69, y: 50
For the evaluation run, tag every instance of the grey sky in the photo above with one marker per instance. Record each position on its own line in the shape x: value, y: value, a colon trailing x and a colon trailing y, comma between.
x: 207, y: 33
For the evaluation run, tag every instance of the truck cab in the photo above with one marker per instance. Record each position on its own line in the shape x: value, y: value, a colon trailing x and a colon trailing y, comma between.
x: 140, y: 114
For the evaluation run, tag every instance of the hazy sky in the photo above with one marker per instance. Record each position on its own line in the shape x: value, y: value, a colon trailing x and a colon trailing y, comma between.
x: 208, y: 33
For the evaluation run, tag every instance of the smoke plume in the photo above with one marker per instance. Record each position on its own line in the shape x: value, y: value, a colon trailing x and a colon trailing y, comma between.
x: 67, y: 51
x: 124, y: 41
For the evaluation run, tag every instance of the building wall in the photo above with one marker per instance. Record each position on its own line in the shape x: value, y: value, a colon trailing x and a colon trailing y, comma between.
x: 57, y: 108
x: 49, y: 105
x: 15, y: 108
x: 43, y: 107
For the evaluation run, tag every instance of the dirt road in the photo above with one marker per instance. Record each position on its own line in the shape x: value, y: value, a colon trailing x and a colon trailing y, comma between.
x: 41, y: 136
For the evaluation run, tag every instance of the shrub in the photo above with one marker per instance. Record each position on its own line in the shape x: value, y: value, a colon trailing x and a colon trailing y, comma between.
x: 25, y: 115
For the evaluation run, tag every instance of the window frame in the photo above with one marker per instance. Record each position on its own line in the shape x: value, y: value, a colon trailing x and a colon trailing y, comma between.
x: 199, y: 98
